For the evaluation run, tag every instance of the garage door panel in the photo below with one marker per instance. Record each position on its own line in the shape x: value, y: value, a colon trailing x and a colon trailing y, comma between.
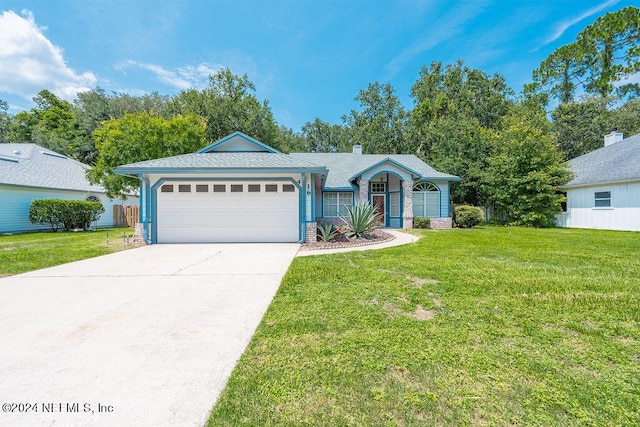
x: 228, y: 217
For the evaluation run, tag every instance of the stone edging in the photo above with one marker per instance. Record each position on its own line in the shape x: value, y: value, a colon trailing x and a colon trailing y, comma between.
x: 384, y: 237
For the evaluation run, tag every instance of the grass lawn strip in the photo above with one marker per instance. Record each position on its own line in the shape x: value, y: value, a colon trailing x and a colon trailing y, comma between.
x: 492, y: 326
x: 20, y: 253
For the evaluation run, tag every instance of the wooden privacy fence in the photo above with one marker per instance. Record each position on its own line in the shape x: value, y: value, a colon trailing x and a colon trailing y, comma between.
x: 125, y: 215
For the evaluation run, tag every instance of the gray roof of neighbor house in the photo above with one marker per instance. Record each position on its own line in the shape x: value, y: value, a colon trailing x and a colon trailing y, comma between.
x: 34, y: 166
x: 619, y: 161
x: 220, y: 160
x: 345, y: 166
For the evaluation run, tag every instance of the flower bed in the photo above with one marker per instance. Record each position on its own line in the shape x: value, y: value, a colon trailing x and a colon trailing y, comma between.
x: 378, y: 236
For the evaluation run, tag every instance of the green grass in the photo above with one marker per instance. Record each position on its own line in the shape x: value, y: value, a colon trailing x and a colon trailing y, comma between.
x: 26, y: 252
x: 491, y: 326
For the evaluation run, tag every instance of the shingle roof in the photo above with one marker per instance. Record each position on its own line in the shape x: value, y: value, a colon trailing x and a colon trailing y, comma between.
x: 619, y: 161
x: 223, y: 160
x: 343, y: 166
x: 34, y: 166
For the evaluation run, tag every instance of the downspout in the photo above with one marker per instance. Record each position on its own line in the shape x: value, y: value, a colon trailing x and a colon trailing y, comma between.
x: 303, y: 225
x: 147, y: 200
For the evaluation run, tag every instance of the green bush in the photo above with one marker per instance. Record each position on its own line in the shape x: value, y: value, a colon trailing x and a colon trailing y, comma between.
x: 361, y: 220
x: 468, y: 216
x: 421, y: 222
x: 327, y: 232
x: 67, y: 214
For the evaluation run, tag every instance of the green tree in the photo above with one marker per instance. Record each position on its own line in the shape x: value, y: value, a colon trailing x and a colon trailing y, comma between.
x: 322, y: 137
x: 229, y: 104
x: 603, y: 55
x: 50, y: 124
x: 579, y: 127
x: 138, y: 137
x: 5, y: 121
x: 524, y: 176
x: 380, y: 124
x: 454, y: 107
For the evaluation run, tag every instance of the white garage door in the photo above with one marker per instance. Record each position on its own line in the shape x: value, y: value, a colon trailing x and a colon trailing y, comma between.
x: 227, y: 212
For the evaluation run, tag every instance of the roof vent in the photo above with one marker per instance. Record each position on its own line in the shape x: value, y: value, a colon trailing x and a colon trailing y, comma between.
x: 60, y: 156
x: 17, y: 152
x: 357, y: 149
x: 613, y: 137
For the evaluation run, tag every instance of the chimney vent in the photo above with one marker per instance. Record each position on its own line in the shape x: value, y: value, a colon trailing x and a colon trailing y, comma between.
x: 613, y: 137
x: 357, y: 149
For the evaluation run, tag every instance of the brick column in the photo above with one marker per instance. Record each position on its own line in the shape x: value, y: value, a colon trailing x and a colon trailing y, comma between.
x: 364, y: 190
x: 311, y: 232
x: 407, y: 204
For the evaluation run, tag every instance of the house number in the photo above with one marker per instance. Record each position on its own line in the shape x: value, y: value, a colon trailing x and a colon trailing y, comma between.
x: 308, y: 192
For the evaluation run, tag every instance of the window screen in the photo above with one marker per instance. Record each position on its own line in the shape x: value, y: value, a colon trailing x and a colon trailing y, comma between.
x: 602, y: 199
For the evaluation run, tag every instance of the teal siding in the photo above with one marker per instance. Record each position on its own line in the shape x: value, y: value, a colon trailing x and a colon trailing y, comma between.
x: 15, y: 202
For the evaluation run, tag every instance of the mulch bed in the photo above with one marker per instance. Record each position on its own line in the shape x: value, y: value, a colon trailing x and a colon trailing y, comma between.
x: 378, y: 236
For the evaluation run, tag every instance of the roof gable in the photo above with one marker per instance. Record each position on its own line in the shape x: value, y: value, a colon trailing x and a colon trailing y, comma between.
x: 385, y: 161
x: 617, y: 162
x: 238, y: 142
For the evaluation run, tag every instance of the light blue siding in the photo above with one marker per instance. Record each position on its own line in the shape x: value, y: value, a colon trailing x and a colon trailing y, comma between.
x: 15, y: 202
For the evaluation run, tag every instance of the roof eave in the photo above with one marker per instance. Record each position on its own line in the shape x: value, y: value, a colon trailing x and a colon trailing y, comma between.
x: 135, y: 172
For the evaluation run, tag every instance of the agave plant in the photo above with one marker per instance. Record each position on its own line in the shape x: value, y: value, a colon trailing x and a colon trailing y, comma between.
x: 361, y: 220
x: 327, y: 232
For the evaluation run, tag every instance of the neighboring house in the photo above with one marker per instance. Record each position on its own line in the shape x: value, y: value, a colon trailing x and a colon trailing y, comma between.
x: 241, y: 190
x: 605, y: 190
x: 29, y: 172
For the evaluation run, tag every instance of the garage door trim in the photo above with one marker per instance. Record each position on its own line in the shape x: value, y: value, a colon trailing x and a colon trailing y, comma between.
x: 155, y: 188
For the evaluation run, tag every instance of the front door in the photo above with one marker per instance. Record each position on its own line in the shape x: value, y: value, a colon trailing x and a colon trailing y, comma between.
x: 378, y: 201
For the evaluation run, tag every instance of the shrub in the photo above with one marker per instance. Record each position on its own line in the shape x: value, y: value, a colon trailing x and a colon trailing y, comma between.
x: 68, y: 214
x: 468, y: 216
x: 421, y: 222
x: 361, y: 220
x: 327, y: 232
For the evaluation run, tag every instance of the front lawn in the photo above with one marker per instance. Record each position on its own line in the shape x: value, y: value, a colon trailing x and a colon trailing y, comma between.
x: 26, y: 252
x: 491, y: 326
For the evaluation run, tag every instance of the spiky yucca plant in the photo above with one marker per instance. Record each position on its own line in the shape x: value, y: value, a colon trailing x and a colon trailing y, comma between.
x: 361, y: 220
x: 327, y: 232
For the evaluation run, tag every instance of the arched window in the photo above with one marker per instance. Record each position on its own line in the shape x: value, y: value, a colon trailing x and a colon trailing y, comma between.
x: 426, y: 200
x: 92, y: 199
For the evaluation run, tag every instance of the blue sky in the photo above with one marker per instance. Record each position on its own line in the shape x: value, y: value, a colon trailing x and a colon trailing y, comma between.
x: 308, y: 58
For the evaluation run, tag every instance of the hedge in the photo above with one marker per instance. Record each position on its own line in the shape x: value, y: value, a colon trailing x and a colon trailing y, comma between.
x: 66, y: 214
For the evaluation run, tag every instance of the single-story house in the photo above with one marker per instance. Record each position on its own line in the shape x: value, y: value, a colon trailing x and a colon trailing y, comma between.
x: 241, y: 190
x: 29, y: 172
x: 605, y: 190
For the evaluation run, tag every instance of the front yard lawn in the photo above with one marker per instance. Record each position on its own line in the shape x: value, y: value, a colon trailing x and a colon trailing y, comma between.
x: 26, y: 252
x: 491, y: 326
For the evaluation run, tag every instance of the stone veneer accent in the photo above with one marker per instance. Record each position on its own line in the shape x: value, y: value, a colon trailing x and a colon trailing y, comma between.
x: 407, y: 205
x: 311, y: 234
x: 364, y: 190
x: 441, y: 223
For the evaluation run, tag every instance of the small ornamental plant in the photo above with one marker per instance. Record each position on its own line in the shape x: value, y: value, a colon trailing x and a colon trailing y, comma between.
x: 468, y: 216
x: 361, y: 220
x: 327, y: 232
x: 421, y: 222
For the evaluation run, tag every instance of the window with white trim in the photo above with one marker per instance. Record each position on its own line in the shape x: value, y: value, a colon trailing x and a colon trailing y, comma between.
x: 378, y: 187
x: 426, y: 200
x: 336, y: 203
x: 394, y: 204
x: 602, y: 199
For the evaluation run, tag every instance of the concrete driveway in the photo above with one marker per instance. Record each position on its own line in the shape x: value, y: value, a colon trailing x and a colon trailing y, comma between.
x: 143, y: 337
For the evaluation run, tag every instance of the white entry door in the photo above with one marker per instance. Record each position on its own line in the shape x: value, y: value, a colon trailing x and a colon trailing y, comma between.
x: 227, y: 212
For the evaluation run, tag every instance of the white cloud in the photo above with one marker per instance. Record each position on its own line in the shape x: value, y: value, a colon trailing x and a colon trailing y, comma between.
x: 29, y: 62
x: 568, y: 23
x: 186, y: 77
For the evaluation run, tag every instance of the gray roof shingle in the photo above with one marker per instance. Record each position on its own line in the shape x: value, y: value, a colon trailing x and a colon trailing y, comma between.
x: 222, y: 160
x: 34, y: 166
x: 343, y: 166
x: 619, y: 161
